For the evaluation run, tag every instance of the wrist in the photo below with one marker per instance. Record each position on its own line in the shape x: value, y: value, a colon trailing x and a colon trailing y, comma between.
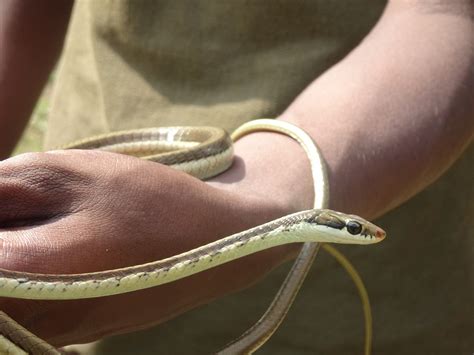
x: 270, y: 167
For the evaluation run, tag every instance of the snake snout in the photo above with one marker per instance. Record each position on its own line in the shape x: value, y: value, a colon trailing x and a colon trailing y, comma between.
x: 379, y: 234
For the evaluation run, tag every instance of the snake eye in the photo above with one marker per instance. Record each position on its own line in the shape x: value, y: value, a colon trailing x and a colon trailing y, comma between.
x: 354, y: 227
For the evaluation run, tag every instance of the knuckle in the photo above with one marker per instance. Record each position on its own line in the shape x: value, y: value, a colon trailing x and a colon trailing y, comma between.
x: 39, y: 170
x: 39, y: 177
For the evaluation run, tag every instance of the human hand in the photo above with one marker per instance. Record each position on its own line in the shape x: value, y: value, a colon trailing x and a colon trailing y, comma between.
x: 84, y: 211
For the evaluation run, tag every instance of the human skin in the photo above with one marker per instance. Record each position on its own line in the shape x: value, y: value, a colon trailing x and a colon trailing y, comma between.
x: 390, y: 118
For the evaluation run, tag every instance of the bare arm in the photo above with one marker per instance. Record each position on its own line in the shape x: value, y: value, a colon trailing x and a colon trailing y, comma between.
x: 390, y: 118
x: 31, y: 37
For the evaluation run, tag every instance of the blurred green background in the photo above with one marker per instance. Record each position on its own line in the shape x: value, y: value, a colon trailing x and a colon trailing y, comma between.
x: 32, y: 138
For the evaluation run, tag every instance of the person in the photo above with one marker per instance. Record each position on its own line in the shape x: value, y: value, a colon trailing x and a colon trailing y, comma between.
x: 384, y: 89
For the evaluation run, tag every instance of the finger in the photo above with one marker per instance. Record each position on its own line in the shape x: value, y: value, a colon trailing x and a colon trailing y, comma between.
x: 34, y: 188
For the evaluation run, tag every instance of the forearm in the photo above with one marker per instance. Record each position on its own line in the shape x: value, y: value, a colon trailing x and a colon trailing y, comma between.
x: 31, y: 36
x: 390, y: 118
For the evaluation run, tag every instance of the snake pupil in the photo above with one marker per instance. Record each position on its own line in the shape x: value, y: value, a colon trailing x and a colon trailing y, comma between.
x: 354, y: 227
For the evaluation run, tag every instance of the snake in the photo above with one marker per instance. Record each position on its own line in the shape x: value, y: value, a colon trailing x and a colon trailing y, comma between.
x: 202, y: 152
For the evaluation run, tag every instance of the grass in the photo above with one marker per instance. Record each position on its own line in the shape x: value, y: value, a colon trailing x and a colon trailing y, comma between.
x: 32, y: 138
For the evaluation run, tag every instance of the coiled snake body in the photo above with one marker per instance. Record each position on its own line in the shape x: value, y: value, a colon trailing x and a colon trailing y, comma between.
x: 202, y: 152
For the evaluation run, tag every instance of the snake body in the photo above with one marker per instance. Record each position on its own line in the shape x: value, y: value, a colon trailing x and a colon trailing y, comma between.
x: 312, y: 225
x: 202, y: 152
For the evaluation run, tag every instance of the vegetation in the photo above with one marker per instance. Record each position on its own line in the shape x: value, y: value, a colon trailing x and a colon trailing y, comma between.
x: 32, y: 139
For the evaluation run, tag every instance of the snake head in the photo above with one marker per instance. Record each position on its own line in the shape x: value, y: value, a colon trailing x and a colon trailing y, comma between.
x: 346, y: 228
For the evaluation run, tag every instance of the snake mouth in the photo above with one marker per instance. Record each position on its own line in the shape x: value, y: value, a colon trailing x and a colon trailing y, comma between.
x: 380, y: 234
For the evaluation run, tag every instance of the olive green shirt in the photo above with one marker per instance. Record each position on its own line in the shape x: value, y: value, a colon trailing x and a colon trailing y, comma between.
x: 130, y: 64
